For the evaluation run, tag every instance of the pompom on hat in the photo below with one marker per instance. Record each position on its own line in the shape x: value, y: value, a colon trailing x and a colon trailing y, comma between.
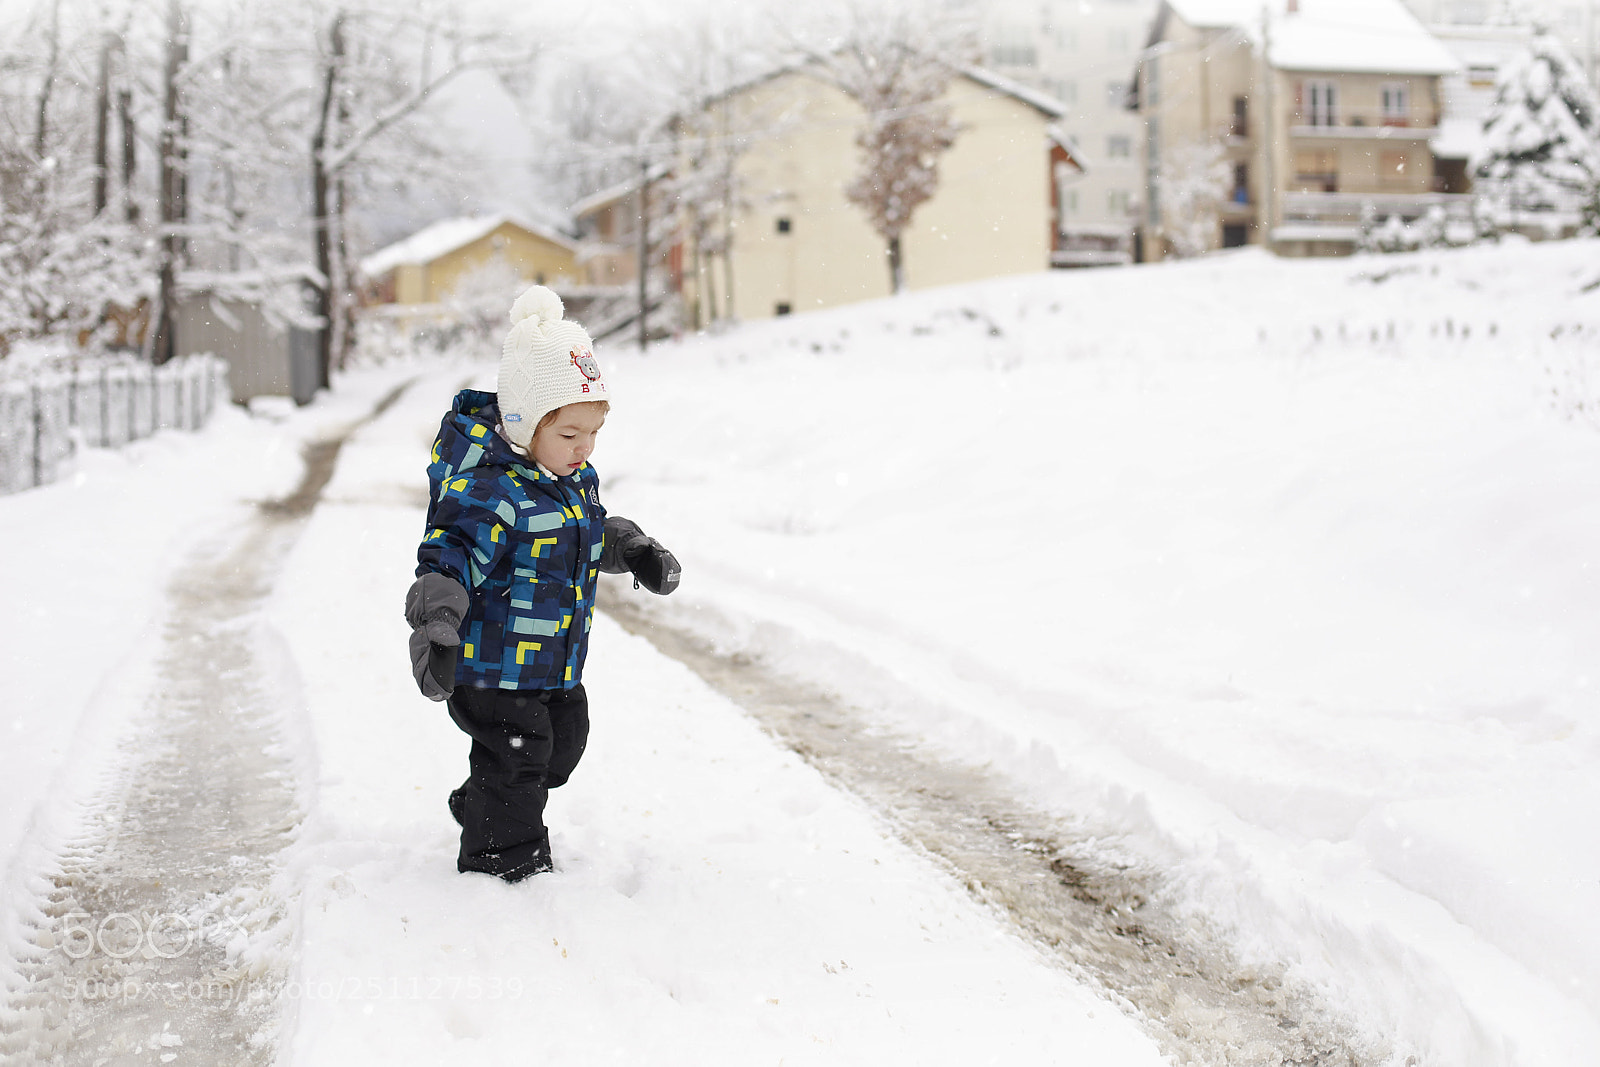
x: 547, y: 363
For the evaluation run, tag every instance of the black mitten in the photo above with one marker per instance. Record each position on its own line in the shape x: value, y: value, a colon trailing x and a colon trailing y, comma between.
x: 435, y: 605
x: 629, y: 548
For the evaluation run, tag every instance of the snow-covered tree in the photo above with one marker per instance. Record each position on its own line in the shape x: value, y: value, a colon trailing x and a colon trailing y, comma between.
x: 897, y: 60
x: 68, y: 261
x: 1540, y: 152
x: 1194, y: 181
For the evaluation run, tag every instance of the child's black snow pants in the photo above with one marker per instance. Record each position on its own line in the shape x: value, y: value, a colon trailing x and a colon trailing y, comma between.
x: 524, y: 744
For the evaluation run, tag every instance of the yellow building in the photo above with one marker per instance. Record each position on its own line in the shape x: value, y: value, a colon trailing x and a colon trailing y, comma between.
x: 792, y: 242
x: 431, y: 267
x: 1308, y: 119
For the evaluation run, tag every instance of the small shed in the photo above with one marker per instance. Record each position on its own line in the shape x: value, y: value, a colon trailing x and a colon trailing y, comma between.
x: 258, y: 324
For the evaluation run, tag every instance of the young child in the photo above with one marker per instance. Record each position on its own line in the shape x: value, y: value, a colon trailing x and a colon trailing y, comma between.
x: 506, y: 574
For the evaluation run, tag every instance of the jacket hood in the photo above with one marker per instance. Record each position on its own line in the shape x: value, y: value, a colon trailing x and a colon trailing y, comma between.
x: 468, y: 438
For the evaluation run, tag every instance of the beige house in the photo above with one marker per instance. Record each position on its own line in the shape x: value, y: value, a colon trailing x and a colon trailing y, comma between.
x: 1296, y: 124
x: 431, y: 267
x: 792, y: 242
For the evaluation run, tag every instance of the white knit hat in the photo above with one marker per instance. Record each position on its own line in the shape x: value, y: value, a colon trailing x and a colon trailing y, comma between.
x: 547, y: 363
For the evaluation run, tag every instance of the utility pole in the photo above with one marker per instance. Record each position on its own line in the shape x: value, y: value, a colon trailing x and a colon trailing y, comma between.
x: 644, y: 249
x: 1269, y: 182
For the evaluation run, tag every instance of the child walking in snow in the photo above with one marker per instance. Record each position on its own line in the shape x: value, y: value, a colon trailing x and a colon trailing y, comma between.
x: 506, y: 574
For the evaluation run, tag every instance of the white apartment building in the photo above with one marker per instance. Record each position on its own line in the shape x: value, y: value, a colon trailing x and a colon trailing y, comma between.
x: 1576, y: 22
x: 1083, y: 53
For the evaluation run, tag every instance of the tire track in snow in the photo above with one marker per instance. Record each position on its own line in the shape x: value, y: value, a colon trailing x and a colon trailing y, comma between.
x: 1103, y: 918
x: 152, y: 951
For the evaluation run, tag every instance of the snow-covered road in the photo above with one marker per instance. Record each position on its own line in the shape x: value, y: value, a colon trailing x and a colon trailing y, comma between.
x: 1292, y: 614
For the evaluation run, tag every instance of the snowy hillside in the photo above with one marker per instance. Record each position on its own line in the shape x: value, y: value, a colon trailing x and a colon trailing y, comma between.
x: 1276, y: 579
x: 1286, y: 570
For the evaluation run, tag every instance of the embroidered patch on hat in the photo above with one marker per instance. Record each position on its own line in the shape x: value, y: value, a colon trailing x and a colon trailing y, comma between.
x: 584, y: 360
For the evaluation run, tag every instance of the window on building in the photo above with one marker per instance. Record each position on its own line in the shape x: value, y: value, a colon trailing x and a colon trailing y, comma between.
x: 781, y: 308
x: 1067, y: 39
x: 1484, y: 77
x: 1072, y: 201
x: 1119, y: 146
x: 1241, y: 117
x: 1117, y: 203
x: 1064, y: 91
x: 1396, y: 103
x: 783, y: 225
x: 1240, y: 193
x: 1235, y: 235
x: 1119, y: 40
x: 1016, y: 52
x: 1319, y: 103
x: 1394, y: 168
x: 1116, y: 94
x: 1317, y: 170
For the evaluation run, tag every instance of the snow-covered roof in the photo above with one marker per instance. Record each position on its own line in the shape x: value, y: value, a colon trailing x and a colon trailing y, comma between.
x: 1034, y: 98
x: 1068, y: 144
x: 1040, y: 101
x: 611, y: 194
x: 1217, y: 14
x: 447, y: 235
x: 1356, y: 36
x: 1458, y: 138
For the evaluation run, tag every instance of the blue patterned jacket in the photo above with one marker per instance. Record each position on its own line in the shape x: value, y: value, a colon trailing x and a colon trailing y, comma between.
x: 526, y: 546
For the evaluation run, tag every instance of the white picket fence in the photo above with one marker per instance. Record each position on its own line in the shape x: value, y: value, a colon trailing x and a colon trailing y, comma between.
x: 47, y: 414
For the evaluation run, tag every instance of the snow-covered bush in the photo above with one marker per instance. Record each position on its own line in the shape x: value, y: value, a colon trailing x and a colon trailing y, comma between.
x: 1193, y: 185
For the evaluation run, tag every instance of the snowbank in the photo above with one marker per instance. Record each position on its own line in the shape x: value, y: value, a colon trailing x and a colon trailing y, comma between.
x: 1277, y: 574
x: 1283, y: 570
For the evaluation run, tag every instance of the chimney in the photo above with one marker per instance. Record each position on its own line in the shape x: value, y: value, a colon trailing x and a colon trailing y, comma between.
x: 1294, y: 7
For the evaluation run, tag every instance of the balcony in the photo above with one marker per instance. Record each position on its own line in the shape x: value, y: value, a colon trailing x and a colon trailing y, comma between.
x: 1411, y: 127
x: 1341, y: 216
x: 1093, y: 246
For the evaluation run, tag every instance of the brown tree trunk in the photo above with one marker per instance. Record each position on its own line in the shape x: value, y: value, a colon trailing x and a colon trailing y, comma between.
x: 321, y: 201
x: 130, y: 159
x: 174, y: 185
x: 897, y: 273
x: 42, y: 117
x: 102, y: 128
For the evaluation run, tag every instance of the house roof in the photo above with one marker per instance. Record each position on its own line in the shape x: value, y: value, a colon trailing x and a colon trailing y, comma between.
x: 1345, y: 36
x: 1068, y: 144
x: 1035, y: 99
x: 1040, y: 101
x: 447, y: 235
x: 623, y: 189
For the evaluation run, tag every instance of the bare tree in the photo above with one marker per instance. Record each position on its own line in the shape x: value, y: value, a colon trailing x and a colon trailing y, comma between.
x: 704, y: 191
x: 897, y: 62
x: 377, y: 67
